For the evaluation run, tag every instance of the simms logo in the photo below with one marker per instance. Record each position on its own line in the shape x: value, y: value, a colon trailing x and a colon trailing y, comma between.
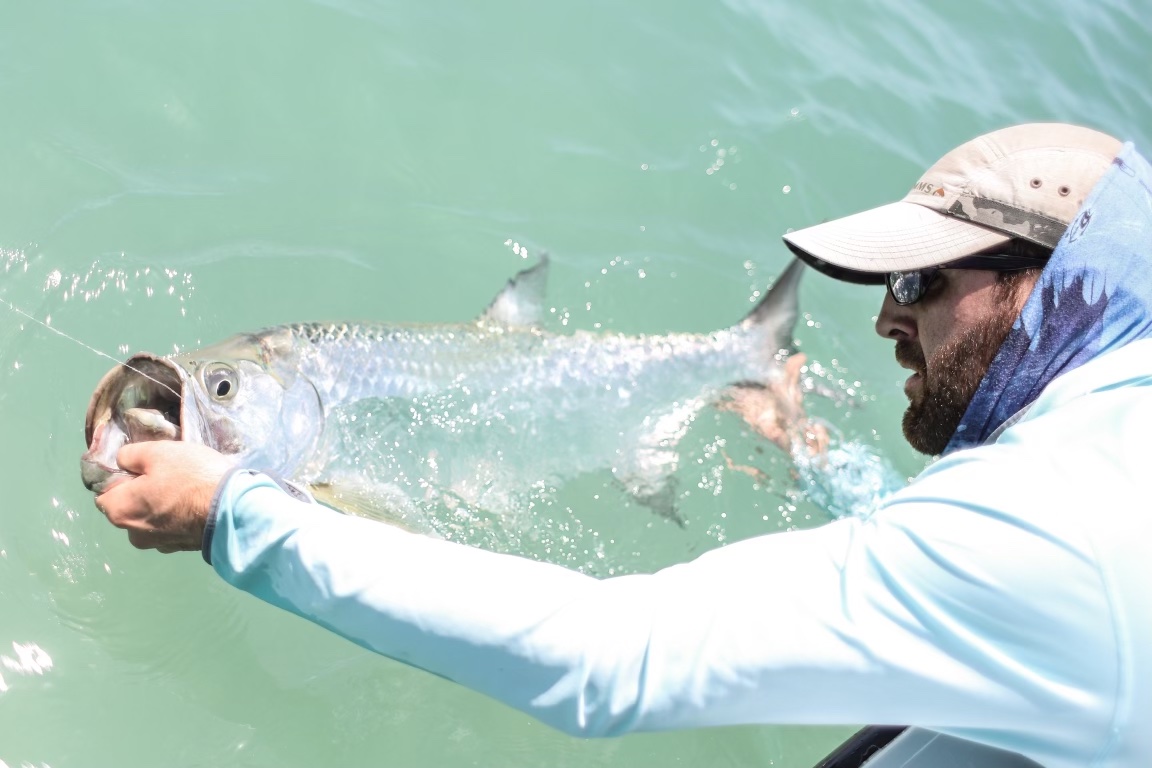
x: 929, y: 189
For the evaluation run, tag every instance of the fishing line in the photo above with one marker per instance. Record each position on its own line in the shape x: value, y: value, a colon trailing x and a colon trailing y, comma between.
x: 58, y: 332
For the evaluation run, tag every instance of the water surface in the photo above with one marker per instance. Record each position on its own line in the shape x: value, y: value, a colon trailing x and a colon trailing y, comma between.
x: 173, y: 173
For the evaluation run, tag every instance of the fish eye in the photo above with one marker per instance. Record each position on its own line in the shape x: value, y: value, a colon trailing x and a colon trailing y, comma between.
x: 220, y: 380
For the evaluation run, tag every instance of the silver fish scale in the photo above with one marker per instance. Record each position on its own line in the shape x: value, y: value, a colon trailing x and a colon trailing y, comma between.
x: 350, y: 362
x: 487, y: 413
x: 327, y: 333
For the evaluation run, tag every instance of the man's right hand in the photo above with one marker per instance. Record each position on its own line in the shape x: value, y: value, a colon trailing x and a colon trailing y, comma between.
x: 166, y: 506
x: 776, y: 411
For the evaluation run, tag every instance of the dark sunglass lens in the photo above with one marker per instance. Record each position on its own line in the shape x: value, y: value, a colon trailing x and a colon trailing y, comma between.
x: 905, y: 287
x: 909, y: 287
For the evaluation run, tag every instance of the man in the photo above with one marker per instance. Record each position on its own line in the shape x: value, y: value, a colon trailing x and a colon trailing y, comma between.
x: 999, y: 597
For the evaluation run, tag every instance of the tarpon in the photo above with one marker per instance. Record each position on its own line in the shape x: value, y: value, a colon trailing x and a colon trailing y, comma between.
x: 379, y: 419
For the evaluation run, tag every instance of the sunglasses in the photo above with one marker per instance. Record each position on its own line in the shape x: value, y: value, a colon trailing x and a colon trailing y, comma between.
x: 909, y: 287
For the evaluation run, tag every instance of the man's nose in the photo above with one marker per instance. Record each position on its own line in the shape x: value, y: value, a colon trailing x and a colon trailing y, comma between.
x: 894, y: 321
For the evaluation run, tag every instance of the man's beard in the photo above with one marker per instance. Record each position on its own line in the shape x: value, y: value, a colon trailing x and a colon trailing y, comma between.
x: 948, y: 382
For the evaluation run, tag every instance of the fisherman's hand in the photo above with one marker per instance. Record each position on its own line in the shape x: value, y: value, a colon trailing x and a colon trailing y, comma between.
x: 166, y: 506
x: 776, y: 411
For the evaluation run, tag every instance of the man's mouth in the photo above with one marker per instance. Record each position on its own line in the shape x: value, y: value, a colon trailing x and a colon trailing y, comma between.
x: 910, y: 356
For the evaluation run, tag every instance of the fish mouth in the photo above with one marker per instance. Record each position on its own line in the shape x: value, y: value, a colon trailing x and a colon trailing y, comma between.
x: 138, y: 401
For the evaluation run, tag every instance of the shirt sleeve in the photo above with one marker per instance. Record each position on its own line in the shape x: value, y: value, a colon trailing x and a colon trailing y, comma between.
x: 925, y: 613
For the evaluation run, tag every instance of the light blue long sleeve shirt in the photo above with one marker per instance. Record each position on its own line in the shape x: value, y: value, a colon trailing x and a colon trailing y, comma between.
x: 1000, y: 597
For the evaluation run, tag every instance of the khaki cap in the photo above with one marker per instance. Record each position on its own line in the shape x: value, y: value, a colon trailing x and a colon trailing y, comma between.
x: 1023, y: 182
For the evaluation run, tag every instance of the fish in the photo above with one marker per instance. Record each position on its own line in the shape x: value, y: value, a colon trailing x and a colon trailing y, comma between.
x: 389, y: 419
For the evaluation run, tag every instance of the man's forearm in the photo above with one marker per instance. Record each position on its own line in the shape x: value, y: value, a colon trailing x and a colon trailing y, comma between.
x: 798, y: 627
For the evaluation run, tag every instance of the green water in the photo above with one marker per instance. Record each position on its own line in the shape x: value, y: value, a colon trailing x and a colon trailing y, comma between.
x: 171, y: 173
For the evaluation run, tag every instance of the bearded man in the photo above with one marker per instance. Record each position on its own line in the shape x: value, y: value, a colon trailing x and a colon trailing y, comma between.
x: 997, y: 598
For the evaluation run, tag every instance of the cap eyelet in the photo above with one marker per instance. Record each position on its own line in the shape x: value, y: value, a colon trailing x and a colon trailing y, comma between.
x: 1035, y: 183
x: 1064, y: 191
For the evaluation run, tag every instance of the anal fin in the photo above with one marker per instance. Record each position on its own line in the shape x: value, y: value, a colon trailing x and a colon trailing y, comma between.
x: 646, y: 467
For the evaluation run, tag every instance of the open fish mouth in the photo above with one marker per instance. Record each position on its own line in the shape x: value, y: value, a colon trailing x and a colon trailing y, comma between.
x: 136, y: 402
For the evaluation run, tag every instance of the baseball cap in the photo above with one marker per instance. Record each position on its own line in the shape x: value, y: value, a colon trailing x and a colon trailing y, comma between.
x: 1023, y: 182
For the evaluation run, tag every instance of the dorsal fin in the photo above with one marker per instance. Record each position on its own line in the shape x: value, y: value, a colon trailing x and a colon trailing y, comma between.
x: 521, y: 303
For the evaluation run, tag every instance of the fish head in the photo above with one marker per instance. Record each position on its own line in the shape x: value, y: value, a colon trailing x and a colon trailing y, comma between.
x: 239, y: 397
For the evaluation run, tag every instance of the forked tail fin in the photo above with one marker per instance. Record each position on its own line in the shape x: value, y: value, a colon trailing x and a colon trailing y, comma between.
x: 647, y: 471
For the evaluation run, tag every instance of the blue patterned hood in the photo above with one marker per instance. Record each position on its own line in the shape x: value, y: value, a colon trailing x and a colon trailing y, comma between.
x: 1094, y: 296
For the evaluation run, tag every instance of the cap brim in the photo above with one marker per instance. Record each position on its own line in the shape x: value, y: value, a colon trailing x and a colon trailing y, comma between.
x: 902, y: 236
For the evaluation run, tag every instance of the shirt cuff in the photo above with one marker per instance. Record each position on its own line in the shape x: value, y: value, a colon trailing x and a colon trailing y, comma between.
x: 288, y: 487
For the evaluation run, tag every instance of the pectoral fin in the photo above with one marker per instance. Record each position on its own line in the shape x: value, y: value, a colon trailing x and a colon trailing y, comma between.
x: 656, y: 493
x: 375, y: 501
